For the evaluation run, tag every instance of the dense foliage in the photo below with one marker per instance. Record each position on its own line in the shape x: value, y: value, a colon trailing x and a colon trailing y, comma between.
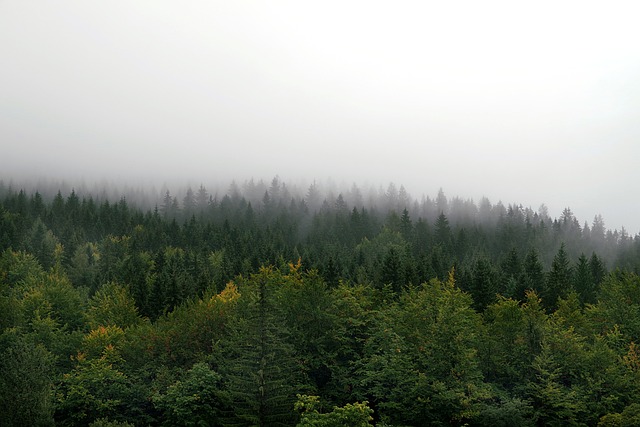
x: 267, y: 308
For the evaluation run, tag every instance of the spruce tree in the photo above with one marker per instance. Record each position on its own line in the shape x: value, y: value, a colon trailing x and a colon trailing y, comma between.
x: 533, y: 275
x: 484, y: 284
x: 559, y: 279
x: 258, y: 367
x: 443, y: 234
x: 392, y: 273
x: 583, y: 281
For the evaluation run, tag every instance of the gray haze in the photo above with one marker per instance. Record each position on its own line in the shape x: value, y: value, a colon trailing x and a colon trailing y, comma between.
x: 527, y: 102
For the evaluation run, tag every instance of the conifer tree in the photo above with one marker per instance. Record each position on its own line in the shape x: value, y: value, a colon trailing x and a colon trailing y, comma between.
x: 259, y: 369
x: 392, y: 273
x: 202, y: 198
x: 406, y: 226
x: 189, y: 202
x: 583, y: 281
x: 559, y: 281
x: 25, y: 382
x: 484, y: 284
x: 443, y: 235
x: 598, y: 269
x: 533, y: 274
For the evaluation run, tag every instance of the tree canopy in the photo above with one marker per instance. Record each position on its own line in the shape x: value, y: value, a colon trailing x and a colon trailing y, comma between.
x: 267, y: 306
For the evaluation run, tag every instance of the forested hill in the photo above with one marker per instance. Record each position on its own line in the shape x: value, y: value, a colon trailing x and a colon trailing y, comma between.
x: 152, y: 310
x: 350, y: 235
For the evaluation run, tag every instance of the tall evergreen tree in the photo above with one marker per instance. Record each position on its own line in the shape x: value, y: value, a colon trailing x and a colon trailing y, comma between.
x: 406, y: 226
x: 583, y: 281
x: 442, y: 235
x: 598, y: 269
x: 26, y: 372
x: 259, y: 368
x: 484, y: 283
x: 559, y: 279
x: 189, y: 202
x: 512, y: 284
x: 533, y: 273
x: 392, y: 273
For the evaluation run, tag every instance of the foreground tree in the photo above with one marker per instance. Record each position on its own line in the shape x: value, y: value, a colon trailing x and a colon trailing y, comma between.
x: 195, y: 400
x: 97, y: 387
x: 421, y: 364
x: 26, y: 372
x: 351, y: 415
x: 258, y: 367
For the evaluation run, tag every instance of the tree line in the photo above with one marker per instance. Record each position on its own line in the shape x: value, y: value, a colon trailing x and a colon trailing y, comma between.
x: 308, y: 309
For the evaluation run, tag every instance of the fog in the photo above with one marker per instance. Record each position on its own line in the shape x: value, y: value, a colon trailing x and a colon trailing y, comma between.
x: 524, y: 103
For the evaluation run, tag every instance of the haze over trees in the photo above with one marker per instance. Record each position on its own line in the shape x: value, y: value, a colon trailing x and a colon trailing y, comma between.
x: 273, y: 304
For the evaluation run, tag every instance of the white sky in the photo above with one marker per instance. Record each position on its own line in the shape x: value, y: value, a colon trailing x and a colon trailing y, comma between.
x: 527, y: 102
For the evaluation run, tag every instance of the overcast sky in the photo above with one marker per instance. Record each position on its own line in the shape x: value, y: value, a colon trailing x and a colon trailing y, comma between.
x: 527, y: 102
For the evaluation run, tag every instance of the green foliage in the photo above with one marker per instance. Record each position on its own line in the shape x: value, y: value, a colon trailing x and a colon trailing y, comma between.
x: 556, y: 403
x: 559, y: 281
x: 42, y: 243
x: 307, y: 309
x: 351, y: 415
x: 619, y: 304
x: 52, y: 296
x: 506, y: 412
x: 258, y: 364
x: 26, y: 373
x: 533, y: 276
x: 507, y: 350
x: 15, y: 267
x: 161, y: 340
x: 105, y: 422
x: 421, y: 362
x: 583, y: 281
x: 184, y: 336
x: 84, y: 267
x: 353, y: 312
x: 51, y: 314
x: 101, y: 338
x: 578, y: 377
x: 9, y: 307
x: 96, y: 388
x: 112, y: 253
x: 112, y: 305
x: 196, y: 400
x: 392, y: 273
x: 484, y: 283
x: 630, y: 417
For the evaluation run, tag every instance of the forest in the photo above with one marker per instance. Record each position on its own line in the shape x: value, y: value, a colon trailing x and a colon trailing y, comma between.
x: 264, y: 304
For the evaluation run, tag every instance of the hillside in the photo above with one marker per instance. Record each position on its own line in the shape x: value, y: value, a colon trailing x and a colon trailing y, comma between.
x: 228, y: 306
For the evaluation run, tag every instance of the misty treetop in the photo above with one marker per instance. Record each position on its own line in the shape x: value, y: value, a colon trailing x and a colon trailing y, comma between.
x: 324, y: 212
x: 271, y: 304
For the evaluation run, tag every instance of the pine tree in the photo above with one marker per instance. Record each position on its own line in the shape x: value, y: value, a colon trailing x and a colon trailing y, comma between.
x: 259, y: 368
x: 189, y: 202
x: 559, y: 281
x: 202, y: 199
x: 26, y: 370
x: 533, y: 274
x: 511, y: 266
x: 583, y: 281
x: 484, y: 284
x: 406, y: 226
x: 166, y: 207
x: 512, y: 285
x: 423, y: 237
x: 598, y: 269
x: 443, y: 235
x: 392, y: 273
